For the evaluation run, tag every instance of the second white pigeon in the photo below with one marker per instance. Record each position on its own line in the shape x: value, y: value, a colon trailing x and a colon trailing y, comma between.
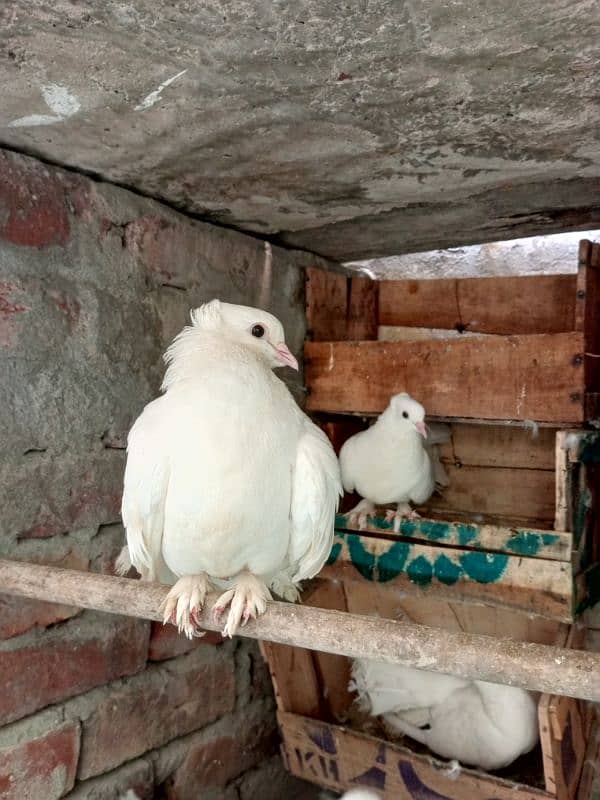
x: 228, y: 484
x: 391, y: 463
x: 478, y: 723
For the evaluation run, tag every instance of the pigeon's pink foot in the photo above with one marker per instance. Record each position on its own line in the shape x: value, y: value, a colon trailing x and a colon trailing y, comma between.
x: 183, y: 604
x: 360, y: 514
x: 247, y: 599
x: 404, y: 511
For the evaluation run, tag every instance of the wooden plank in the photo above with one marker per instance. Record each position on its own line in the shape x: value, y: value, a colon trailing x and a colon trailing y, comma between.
x: 499, y: 446
x: 326, y: 304
x: 563, y: 722
x: 509, y: 305
x: 496, y: 492
x: 367, y: 598
x: 285, y: 665
x: 333, y: 671
x: 527, y: 542
x: 363, y: 307
x: 533, y: 585
x: 518, y: 377
x: 588, y: 315
x: 339, y: 307
x: 340, y: 759
x: 590, y: 764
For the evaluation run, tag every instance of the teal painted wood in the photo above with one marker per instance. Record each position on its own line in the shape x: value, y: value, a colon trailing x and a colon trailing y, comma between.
x: 528, y: 542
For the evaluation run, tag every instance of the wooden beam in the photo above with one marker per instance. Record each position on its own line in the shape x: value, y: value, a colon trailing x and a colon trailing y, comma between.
x: 530, y: 666
x: 537, y: 377
x: 509, y: 305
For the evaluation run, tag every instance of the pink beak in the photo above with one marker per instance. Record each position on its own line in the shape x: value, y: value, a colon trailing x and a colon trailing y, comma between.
x: 285, y: 356
x: 422, y: 429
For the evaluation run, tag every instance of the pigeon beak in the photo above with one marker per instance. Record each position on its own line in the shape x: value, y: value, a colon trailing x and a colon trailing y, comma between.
x: 422, y: 429
x: 285, y: 357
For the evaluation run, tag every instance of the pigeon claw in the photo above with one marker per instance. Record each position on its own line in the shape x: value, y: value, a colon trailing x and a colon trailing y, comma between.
x: 246, y: 600
x: 404, y: 512
x: 183, y: 604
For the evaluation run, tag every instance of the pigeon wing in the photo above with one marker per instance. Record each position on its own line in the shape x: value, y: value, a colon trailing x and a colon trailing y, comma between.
x: 316, y: 487
x: 145, y: 492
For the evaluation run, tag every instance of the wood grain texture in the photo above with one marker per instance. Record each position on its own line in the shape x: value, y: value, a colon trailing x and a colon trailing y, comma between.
x: 333, y: 671
x: 509, y: 305
x: 499, y: 446
x: 372, y: 599
x: 496, y: 492
x: 537, y: 377
x: 563, y: 732
x: 588, y: 319
x: 340, y: 759
x: 285, y: 664
x: 339, y: 307
x: 529, y: 666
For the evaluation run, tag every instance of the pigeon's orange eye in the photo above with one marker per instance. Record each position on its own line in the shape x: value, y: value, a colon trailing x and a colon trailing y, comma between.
x: 405, y: 414
x: 258, y: 331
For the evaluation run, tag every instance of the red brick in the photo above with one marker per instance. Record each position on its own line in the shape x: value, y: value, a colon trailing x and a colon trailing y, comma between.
x: 34, y: 203
x: 44, y: 767
x: 68, y: 660
x: 155, y: 708
x: 136, y: 777
x: 213, y: 764
x: 18, y: 615
x: 167, y: 642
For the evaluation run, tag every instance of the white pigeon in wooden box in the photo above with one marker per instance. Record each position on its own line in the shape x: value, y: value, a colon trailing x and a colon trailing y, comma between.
x: 228, y: 483
x: 391, y: 463
x: 478, y: 723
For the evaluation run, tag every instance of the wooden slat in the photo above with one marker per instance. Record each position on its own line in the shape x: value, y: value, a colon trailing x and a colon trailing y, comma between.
x: 533, y: 585
x: 526, y: 542
x: 340, y: 759
x: 339, y: 307
x: 588, y: 315
x: 368, y: 598
x: 563, y: 723
x: 513, y: 305
x: 332, y: 671
x: 499, y: 446
x: 518, y: 377
x: 285, y: 664
x: 497, y: 492
x: 590, y: 764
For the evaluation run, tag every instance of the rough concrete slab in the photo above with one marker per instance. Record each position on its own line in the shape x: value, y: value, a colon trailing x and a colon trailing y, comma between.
x: 353, y: 129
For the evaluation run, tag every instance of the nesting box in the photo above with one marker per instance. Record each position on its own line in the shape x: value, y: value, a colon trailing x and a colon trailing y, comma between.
x: 510, y: 548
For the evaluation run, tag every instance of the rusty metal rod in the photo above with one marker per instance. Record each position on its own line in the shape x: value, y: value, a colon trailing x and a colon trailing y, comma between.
x: 531, y: 666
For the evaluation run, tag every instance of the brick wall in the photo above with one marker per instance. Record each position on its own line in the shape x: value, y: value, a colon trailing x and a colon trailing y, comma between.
x: 94, y: 282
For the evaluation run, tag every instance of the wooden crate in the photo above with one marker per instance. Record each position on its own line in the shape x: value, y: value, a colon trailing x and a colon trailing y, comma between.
x: 516, y: 526
x: 322, y: 745
x: 510, y: 548
x: 531, y: 351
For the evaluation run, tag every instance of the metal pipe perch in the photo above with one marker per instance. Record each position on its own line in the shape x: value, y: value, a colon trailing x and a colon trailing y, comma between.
x: 537, y: 667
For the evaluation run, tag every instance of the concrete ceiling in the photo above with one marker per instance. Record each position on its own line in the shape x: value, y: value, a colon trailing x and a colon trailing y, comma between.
x: 354, y: 129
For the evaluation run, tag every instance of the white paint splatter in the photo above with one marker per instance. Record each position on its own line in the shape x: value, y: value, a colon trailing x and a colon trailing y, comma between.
x: 33, y: 120
x: 59, y: 100
x: 331, y: 362
x: 154, y: 96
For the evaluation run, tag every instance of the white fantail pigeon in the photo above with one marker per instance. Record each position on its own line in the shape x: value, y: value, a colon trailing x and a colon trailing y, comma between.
x: 391, y: 463
x: 228, y: 483
x: 478, y: 723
